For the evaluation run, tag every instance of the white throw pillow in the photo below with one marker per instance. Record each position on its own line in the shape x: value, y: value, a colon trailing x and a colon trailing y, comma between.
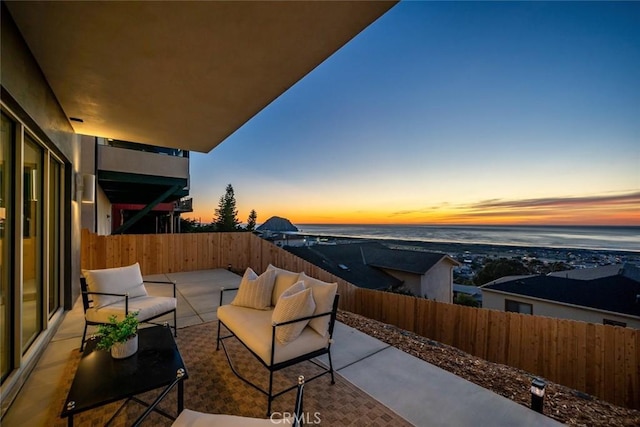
x: 255, y: 291
x: 284, y: 280
x: 323, y: 295
x: 121, y: 280
x: 294, y: 303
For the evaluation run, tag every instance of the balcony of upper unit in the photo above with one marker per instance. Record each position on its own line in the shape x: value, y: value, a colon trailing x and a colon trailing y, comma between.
x: 139, y: 173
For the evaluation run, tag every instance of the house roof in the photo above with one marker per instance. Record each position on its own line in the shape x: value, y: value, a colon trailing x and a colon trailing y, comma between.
x: 346, y: 262
x: 361, y: 263
x: 469, y: 290
x: 628, y: 270
x: 180, y: 74
x: 589, y: 273
x: 615, y: 293
x: 416, y: 262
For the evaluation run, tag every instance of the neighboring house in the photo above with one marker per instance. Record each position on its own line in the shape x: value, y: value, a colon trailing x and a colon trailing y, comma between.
x: 286, y: 239
x: 474, y: 292
x: 345, y: 261
x: 375, y: 266
x: 604, y: 295
x: 184, y: 80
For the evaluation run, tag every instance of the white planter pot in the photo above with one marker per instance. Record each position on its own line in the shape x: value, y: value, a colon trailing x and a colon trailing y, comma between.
x: 121, y: 350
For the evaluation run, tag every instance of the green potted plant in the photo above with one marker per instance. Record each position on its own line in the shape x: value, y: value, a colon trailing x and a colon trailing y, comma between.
x: 120, y: 337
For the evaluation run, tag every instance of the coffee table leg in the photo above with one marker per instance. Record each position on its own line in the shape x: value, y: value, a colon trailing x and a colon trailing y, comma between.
x: 180, y: 396
x: 70, y: 421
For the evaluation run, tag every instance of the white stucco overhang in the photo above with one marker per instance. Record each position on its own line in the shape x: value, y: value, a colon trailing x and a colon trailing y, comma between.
x: 181, y: 74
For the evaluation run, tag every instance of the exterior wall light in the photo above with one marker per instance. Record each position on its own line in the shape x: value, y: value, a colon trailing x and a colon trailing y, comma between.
x: 537, y: 394
x: 88, y: 188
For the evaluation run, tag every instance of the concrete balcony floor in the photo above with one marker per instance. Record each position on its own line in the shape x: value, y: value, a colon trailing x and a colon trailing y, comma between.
x: 418, y: 391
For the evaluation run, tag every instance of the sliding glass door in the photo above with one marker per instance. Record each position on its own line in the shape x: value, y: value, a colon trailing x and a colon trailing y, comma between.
x: 32, y: 241
x: 32, y: 195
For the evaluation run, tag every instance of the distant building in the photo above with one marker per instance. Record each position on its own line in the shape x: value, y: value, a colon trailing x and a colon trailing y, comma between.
x: 474, y: 292
x: 286, y: 239
x: 375, y: 266
x: 609, y: 295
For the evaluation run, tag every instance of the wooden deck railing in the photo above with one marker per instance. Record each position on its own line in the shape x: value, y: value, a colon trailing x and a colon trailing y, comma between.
x: 600, y: 360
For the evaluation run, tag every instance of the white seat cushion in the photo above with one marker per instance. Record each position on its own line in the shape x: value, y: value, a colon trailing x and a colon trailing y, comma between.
x: 323, y: 294
x: 294, y: 303
x: 147, y: 308
x: 253, y: 328
x: 284, y: 280
x: 255, y: 291
x: 189, y: 418
x: 121, y: 280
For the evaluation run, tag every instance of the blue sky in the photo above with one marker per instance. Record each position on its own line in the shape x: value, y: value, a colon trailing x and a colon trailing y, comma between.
x: 451, y: 112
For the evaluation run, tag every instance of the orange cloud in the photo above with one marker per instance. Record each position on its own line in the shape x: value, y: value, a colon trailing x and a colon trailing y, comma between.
x: 609, y: 209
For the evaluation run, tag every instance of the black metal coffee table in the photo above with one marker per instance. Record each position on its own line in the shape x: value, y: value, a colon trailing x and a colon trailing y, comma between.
x: 101, y: 379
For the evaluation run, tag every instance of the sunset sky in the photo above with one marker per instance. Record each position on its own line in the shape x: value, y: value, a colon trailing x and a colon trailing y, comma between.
x: 450, y: 113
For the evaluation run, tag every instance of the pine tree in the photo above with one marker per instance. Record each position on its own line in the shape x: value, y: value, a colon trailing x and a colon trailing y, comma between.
x: 251, y: 221
x: 227, y: 215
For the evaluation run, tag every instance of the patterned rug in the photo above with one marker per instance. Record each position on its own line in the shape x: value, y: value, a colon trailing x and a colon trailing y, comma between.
x: 213, y: 388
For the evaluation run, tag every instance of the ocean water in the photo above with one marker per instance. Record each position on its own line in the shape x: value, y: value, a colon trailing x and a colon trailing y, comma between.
x: 612, y: 238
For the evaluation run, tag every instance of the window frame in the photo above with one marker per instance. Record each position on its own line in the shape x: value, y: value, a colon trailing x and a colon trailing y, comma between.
x: 507, y: 302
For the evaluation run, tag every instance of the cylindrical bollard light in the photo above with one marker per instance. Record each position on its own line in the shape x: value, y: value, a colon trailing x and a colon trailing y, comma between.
x: 537, y: 394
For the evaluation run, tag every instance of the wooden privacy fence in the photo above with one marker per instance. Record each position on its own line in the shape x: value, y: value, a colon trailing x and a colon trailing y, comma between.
x: 600, y: 360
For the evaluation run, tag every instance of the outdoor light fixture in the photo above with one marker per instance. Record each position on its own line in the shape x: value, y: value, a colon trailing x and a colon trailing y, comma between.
x: 88, y: 188
x: 537, y: 394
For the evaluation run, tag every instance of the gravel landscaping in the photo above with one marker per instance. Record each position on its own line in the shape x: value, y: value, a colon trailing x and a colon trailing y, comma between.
x: 561, y: 403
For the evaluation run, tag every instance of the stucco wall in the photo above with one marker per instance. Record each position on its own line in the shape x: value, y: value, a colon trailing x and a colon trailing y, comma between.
x: 104, y: 213
x: 437, y: 283
x: 494, y: 300
x: 87, y: 166
x: 27, y: 95
x: 23, y: 80
x: 411, y: 281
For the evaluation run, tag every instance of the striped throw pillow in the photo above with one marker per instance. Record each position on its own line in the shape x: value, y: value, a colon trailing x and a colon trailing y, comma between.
x: 294, y: 303
x: 255, y: 291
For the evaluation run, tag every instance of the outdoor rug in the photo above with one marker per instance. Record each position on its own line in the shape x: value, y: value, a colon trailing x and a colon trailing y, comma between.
x: 212, y: 387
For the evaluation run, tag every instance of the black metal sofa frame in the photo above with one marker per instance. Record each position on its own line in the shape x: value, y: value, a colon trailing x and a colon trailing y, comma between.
x: 274, y: 367
x: 87, y: 304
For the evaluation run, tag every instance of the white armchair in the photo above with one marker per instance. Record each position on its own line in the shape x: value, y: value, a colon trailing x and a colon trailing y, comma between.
x: 116, y: 292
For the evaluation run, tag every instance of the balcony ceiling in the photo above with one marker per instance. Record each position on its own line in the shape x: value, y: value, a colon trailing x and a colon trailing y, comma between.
x: 181, y: 75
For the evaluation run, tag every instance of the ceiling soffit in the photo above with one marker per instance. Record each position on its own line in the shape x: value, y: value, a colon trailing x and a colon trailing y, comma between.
x: 176, y: 74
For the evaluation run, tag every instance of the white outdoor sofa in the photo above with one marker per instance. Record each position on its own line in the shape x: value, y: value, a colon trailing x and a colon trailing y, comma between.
x: 261, y: 327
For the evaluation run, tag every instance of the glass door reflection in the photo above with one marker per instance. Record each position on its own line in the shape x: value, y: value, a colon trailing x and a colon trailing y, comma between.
x: 32, y: 243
